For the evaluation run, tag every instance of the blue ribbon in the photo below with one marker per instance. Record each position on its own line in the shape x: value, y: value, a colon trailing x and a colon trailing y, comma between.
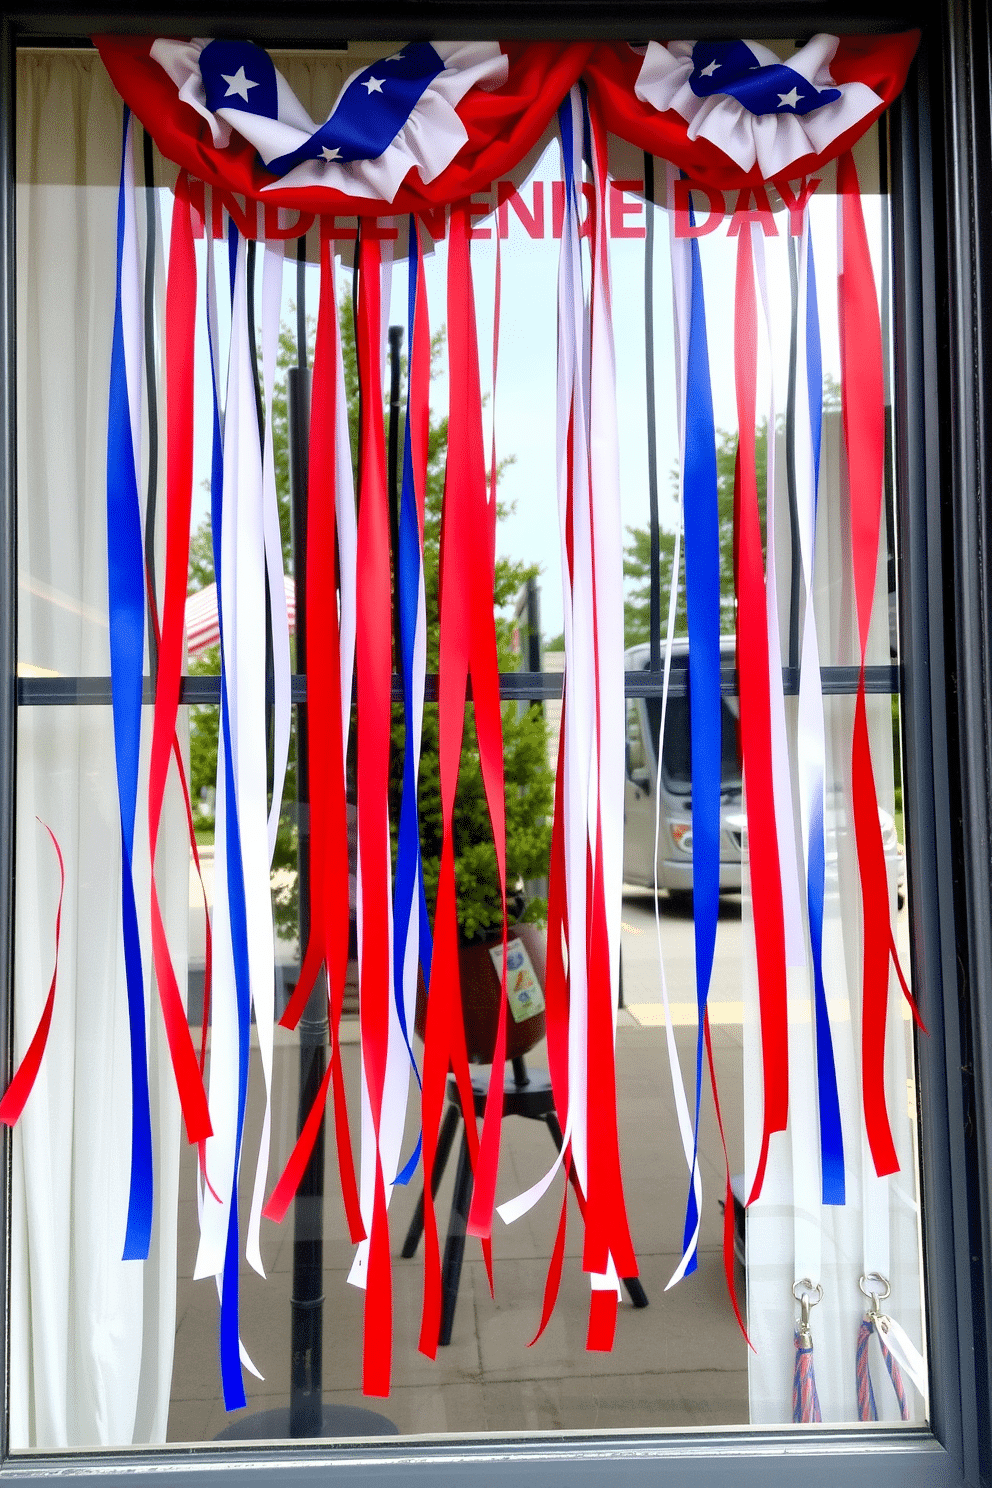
x: 409, y: 863
x: 702, y: 595
x: 831, y: 1135
x: 230, y: 1329
x: 126, y: 586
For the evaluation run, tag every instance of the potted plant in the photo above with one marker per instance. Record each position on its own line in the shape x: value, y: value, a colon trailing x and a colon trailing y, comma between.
x: 529, y: 799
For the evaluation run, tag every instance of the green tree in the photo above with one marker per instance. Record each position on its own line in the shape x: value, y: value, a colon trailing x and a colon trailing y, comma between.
x: 205, y: 719
x: 528, y: 777
x: 637, y: 552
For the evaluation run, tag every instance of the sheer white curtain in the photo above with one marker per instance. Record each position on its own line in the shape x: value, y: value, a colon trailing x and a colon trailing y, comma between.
x: 91, y: 1335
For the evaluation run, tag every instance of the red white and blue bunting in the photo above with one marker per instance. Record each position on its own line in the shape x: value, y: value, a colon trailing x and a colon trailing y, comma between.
x: 415, y: 134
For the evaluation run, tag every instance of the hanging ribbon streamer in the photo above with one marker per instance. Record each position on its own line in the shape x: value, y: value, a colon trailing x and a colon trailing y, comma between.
x: 698, y: 495
x: 681, y: 291
x: 756, y: 725
x: 805, y: 1400
x: 274, y: 563
x: 152, y: 281
x: 806, y: 425
x: 331, y: 567
x: 608, y: 1246
x: 374, y: 670
x: 566, y: 1035
x: 585, y: 868
x: 236, y: 470
x: 179, y: 337
x: 467, y: 645
x: 382, y: 1129
x: 897, y: 1349
x: 700, y: 513
x: 484, y: 673
x: 566, y: 1031
x: 126, y: 588
x: 15, y: 1097
x: 698, y: 477
x: 862, y: 402
x: 263, y: 986
x: 412, y: 926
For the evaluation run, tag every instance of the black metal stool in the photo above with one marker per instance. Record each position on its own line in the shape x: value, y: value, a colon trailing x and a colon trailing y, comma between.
x: 525, y: 1093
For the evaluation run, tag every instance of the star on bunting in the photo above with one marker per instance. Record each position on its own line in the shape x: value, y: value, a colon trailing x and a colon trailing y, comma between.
x: 789, y: 100
x: 238, y: 83
x: 374, y: 85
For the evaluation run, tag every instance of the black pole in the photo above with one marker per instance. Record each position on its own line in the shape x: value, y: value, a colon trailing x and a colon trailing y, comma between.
x: 307, y: 1306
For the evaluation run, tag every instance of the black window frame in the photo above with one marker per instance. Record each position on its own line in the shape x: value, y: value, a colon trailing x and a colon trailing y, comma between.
x: 941, y: 145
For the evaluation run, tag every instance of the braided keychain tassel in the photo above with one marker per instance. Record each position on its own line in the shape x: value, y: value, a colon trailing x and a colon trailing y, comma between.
x: 805, y: 1401
x: 867, y: 1409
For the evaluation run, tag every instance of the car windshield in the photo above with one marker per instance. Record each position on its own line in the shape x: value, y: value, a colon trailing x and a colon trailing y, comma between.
x: 677, y: 756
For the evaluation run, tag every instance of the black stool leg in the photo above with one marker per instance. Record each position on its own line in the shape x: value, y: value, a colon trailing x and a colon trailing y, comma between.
x: 638, y: 1296
x: 454, y: 1246
x: 445, y: 1138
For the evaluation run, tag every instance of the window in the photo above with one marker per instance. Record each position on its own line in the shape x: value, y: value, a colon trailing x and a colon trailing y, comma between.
x: 921, y: 384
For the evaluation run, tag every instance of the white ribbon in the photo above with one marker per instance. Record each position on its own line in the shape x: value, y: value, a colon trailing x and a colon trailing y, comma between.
x: 282, y: 704
x: 220, y: 1156
x: 396, y: 1083
x: 576, y: 714
x: 347, y: 530
x: 263, y: 989
x: 132, y: 318
x: 785, y: 826
x: 906, y: 1355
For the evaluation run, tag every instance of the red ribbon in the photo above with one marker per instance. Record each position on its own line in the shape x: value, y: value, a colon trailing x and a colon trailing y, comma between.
x: 607, y: 1227
x: 556, y: 1004
x: 484, y: 668
x: 208, y: 955
x: 467, y: 644
x: 374, y: 672
x: 329, y: 922
x: 756, y: 726
x: 863, y: 407
x: 180, y: 328
x: 728, y: 1200
x: 16, y: 1095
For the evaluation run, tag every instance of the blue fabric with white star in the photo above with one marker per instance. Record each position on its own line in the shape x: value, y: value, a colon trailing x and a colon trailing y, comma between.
x: 730, y: 67
x: 369, y: 115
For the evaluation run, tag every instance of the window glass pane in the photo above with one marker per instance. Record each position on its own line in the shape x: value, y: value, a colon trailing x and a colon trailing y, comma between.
x: 111, y: 1352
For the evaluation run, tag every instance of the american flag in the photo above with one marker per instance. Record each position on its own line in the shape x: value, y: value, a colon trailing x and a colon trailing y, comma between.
x: 203, y: 623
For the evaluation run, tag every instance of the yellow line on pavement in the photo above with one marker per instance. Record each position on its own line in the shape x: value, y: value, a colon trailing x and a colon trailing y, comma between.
x: 723, y: 1014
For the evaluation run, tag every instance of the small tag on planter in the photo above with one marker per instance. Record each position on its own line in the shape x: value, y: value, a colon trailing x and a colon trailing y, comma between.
x: 522, y: 987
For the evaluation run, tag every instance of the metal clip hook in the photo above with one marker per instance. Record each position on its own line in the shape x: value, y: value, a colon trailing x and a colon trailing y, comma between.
x: 807, y: 1294
x: 871, y: 1286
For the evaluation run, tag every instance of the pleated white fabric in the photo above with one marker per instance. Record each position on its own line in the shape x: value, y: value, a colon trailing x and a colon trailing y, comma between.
x: 92, y: 1336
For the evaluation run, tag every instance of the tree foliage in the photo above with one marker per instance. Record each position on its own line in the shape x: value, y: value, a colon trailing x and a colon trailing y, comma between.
x: 637, y: 551
x: 528, y: 776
